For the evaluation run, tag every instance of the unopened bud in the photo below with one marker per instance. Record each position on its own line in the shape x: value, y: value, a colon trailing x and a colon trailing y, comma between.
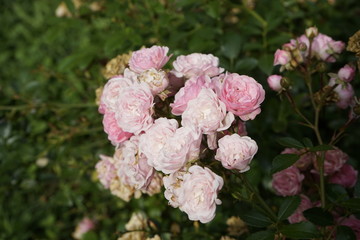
x: 302, y: 47
x: 285, y: 83
x: 321, y: 67
x: 311, y: 32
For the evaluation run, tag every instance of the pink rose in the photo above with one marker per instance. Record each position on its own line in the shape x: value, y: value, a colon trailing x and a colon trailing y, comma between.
x: 134, y: 108
x: 190, y: 91
x: 111, y: 92
x: 155, y: 185
x: 156, y: 79
x: 353, y: 223
x: 282, y: 57
x: 146, y: 58
x: 304, y: 161
x: 173, y: 184
x: 241, y: 94
x: 288, y: 181
x: 334, y: 161
x: 196, y: 64
x: 324, y: 47
x: 274, y: 82
x: 298, y: 215
x: 132, y: 166
x: 206, y: 113
x: 106, y: 170
x: 84, y: 226
x: 115, y: 134
x: 236, y: 152
x: 345, y: 93
x: 346, y: 176
x: 347, y: 73
x: 198, y: 196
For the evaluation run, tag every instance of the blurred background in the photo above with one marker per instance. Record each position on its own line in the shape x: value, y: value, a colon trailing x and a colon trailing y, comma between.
x: 52, y: 55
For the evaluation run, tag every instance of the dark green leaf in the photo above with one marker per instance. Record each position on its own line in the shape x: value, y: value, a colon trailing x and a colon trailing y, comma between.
x: 262, y: 235
x: 345, y: 233
x: 319, y: 216
x: 302, y: 230
x: 289, y: 205
x: 256, y: 219
x: 353, y: 204
x: 307, y: 142
x: 336, y: 193
x: 231, y: 47
x: 246, y: 64
x: 290, y: 142
x: 320, y: 148
x: 266, y: 63
x: 283, y: 161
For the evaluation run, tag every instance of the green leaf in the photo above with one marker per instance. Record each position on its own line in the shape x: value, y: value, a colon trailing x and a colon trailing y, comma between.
x: 336, y: 193
x: 290, y: 142
x: 319, y: 216
x: 353, y: 204
x: 307, y: 142
x: 262, y: 235
x: 289, y: 205
x: 320, y: 148
x: 302, y: 230
x: 266, y: 63
x: 345, y: 233
x: 232, y: 44
x: 246, y: 64
x: 256, y: 219
x: 283, y: 161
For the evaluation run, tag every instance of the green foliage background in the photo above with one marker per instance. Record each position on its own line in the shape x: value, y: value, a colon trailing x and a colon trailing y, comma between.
x: 50, y: 68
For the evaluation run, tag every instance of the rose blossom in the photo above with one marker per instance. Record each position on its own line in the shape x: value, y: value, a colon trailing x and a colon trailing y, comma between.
x: 134, y: 108
x: 345, y: 92
x: 304, y: 161
x: 298, y: 215
x: 347, y: 73
x: 111, y: 92
x: 196, y: 64
x: 146, y: 58
x: 288, y: 181
x: 274, y: 82
x: 115, y: 134
x: 198, y: 196
x: 132, y: 166
x: 282, y: 57
x: 84, y: 226
x: 190, y: 91
x: 206, y: 113
x: 334, y: 161
x: 241, y: 94
x: 156, y: 79
x: 346, y: 176
x: 172, y: 184
x: 324, y: 47
x: 236, y: 152
x: 106, y: 170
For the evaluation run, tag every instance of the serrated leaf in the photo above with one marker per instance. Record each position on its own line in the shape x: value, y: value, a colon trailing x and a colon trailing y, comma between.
x: 283, y: 161
x: 262, y: 235
x: 256, y: 219
x: 289, y: 205
x: 353, y: 204
x: 345, y: 233
x: 302, y: 230
x: 319, y: 216
x: 320, y: 148
x: 290, y: 142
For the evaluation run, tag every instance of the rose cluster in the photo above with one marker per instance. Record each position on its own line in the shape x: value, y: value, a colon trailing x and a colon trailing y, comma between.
x: 160, y: 120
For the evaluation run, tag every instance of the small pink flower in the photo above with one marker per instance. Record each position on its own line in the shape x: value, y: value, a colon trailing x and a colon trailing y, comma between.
x: 132, y: 166
x: 198, y: 195
x: 236, y: 152
x: 156, y: 79
x: 206, y: 113
x: 134, y: 108
x: 115, y: 134
x: 346, y: 176
x: 288, y: 181
x: 298, y: 215
x: 274, y: 82
x: 334, y: 161
x: 106, y: 170
x: 241, y: 94
x: 304, y: 161
x: 173, y: 184
x: 84, y: 226
x: 345, y: 93
x: 347, y: 73
x: 282, y: 57
x: 196, y: 64
x: 190, y: 91
x: 324, y: 47
x: 146, y: 58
